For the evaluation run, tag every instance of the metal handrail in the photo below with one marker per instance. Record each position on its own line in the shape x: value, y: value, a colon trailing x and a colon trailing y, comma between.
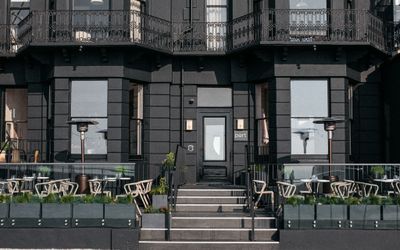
x: 250, y: 194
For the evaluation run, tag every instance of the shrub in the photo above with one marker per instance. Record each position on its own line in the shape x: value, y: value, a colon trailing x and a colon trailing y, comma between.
x: 161, y: 189
x: 51, y: 198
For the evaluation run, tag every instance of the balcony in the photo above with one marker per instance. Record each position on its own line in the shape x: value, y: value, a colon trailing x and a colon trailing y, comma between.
x: 274, y: 27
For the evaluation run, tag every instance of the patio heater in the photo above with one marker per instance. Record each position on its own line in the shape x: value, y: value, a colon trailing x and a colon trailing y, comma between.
x: 330, y: 126
x: 82, y: 126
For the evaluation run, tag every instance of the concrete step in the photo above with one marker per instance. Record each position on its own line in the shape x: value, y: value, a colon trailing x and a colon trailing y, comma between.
x: 211, y: 199
x: 222, y: 222
x: 208, y: 234
x: 203, y: 245
x: 220, y: 208
x: 211, y: 192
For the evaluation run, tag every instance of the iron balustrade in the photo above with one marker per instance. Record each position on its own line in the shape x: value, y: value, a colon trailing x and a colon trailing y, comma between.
x: 275, y: 26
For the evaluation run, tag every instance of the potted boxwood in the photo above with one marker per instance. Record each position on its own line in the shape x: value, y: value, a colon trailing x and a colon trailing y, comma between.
x: 120, y: 171
x: 377, y: 171
x: 159, y: 194
x: 88, y: 211
x: 331, y: 212
x: 4, y: 209
x: 57, y: 212
x: 120, y: 213
x: 363, y: 214
x: 25, y: 211
x: 291, y: 215
x: 154, y: 218
x: 44, y: 171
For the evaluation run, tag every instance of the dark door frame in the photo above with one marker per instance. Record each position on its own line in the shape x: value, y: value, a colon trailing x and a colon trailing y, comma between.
x: 215, y: 112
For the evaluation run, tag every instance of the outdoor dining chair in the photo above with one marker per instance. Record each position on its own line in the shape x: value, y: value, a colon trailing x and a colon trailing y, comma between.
x: 3, y: 187
x: 95, y: 187
x: 286, y: 190
x: 260, y: 188
x: 13, y: 186
x: 308, y: 188
x: 134, y: 190
x: 341, y: 189
x: 367, y: 189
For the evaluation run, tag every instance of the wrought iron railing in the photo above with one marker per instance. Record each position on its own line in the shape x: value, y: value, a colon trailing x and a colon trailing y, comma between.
x: 276, y: 26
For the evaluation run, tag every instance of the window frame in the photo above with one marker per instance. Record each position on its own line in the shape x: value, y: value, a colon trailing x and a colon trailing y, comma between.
x: 291, y: 117
x: 88, y: 155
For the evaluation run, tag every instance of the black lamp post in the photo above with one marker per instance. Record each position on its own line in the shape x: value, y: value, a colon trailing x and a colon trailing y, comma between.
x: 329, y: 126
x: 82, y: 126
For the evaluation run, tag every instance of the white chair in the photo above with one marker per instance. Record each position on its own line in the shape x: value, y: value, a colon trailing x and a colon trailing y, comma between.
x: 260, y: 188
x: 95, y: 187
x: 13, y: 186
x: 308, y: 188
x: 341, y: 189
x: 286, y: 190
x: 367, y: 189
x: 134, y: 190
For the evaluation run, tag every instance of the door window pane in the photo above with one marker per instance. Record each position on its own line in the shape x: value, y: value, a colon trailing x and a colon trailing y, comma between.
x: 214, y: 139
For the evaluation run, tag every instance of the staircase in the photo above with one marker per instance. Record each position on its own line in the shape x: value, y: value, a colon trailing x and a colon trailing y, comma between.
x: 210, y: 217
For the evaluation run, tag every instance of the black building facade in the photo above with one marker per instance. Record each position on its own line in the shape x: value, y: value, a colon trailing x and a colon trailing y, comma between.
x: 211, y: 75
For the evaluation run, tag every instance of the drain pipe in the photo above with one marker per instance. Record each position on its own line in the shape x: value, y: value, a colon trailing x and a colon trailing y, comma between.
x: 182, y: 87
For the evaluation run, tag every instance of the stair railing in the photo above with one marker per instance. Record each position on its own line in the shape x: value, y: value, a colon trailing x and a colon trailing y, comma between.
x: 250, y: 193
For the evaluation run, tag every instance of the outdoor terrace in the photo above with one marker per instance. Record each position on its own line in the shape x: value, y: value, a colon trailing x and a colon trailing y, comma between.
x: 126, y: 28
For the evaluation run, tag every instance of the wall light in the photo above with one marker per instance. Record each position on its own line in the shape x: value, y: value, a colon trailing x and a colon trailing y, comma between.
x: 189, y: 125
x: 240, y: 124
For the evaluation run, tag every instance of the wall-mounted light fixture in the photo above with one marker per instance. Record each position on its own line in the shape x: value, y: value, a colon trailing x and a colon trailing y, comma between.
x: 97, y: 2
x: 239, y: 124
x: 189, y: 125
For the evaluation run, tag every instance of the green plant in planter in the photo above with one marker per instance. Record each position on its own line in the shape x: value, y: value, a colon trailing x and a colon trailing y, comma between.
x: 372, y: 200
x: 5, y: 199
x: 310, y: 200
x: 295, y: 200
x: 44, y: 170
x: 377, y: 170
x: 152, y: 210
x: 161, y: 189
x: 68, y: 199
x: 51, y: 198
x: 388, y: 201
x: 124, y: 200
x: 26, y: 198
x: 120, y: 170
x: 353, y: 201
x: 169, y: 161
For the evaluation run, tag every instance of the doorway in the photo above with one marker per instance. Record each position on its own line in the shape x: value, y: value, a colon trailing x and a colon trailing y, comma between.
x: 215, y: 145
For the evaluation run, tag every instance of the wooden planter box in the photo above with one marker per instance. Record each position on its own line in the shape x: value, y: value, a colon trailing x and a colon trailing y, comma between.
x: 331, y: 216
x: 390, y: 217
x: 159, y: 201
x: 56, y: 215
x: 364, y: 216
x: 25, y: 215
x: 154, y: 220
x: 120, y: 215
x: 88, y: 215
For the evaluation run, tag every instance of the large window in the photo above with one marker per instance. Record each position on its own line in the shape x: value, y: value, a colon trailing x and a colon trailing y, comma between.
x: 309, y: 102
x: 89, y: 102
x: 216, y: 24
x: 308, y: 20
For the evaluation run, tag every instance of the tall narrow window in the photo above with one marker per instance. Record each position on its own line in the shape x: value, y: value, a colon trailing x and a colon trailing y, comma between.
x: 308, y: 20
x: 19, y: 10
x: 262, y: 114
x: 216, y: 24
x: 309, y: 102
x: 135, y: 120
x: 89, y: 102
